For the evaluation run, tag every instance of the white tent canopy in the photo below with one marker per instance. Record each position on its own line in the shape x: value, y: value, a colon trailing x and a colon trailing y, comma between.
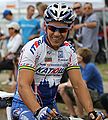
x: 23, y: 3
x: 19, y: 7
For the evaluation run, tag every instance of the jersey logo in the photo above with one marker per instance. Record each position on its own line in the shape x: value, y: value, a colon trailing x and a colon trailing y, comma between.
x: 60, y: 54
x: 50, y: 71
x: 35, y: 45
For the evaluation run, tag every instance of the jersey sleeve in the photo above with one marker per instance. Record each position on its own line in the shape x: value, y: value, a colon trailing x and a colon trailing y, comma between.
x: 27, y: 58
x: 73, y: 63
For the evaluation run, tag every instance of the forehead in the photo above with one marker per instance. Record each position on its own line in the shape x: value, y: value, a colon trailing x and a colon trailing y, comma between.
x: 58, y: 23
x: 87, y: 6
x: 30, y: 8
x: 76, y: 5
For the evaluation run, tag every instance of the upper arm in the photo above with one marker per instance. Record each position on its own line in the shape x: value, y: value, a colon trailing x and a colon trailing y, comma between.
x: 75, y: 76
x: 25, y: 77
x: 26, y: 65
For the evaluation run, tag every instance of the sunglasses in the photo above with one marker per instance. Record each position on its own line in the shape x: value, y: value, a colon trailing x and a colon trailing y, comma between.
x: 62, y: 29
x: 76, y: 8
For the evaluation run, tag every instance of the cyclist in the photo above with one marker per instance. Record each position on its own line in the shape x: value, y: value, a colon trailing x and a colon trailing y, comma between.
x: 44, y: 60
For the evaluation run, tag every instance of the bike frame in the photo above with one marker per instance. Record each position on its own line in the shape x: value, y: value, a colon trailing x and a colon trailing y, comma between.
x: 6, y: 95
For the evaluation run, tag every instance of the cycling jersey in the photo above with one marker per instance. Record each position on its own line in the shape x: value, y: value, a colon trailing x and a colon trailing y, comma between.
x: 48, y: 65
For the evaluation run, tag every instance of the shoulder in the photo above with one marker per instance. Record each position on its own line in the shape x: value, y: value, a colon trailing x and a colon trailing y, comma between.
x: 34, y: 44
x: 90, y: 65
x: 93, y: 16
x: 36, y: 20
x: 68, y: 46
x: 21, y: 19
x: 18, y: 35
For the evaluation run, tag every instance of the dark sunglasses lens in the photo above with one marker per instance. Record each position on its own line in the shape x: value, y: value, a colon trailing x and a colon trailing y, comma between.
x: 76, y: 8
x: 61, y: 30
x: 52, y: 28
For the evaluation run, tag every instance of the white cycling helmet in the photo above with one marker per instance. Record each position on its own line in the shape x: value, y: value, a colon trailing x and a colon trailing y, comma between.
x: 59, y: 12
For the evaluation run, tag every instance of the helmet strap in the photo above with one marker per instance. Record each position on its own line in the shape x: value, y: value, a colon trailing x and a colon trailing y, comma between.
x: 67, y: 35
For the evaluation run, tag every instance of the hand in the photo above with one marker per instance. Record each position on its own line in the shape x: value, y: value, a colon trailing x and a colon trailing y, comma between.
x: 96, y: 115
x: 45, y: 114
x: 99, y: 117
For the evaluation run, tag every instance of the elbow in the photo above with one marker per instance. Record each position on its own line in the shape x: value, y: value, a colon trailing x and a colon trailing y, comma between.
x: 20, y: 87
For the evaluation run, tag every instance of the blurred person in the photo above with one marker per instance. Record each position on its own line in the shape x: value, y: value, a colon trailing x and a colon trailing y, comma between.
x: 13, y: 44
x: 91, y: 77
x: 90, y: 29
x: 29, y: 26
x: 41, y: 7
x: 74, y: 34
x: 7, y: 18
x: 43, y: 60
x: 78, y: 9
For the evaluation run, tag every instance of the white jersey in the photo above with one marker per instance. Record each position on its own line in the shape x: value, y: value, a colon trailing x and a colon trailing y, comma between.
x: 48, y: 64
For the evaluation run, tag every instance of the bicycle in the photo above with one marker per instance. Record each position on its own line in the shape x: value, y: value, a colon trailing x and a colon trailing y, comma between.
x: 7, y: 97
x: 60, y: 117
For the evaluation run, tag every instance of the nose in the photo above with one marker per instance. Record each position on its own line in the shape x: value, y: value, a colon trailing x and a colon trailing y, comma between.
x: 57, y: 33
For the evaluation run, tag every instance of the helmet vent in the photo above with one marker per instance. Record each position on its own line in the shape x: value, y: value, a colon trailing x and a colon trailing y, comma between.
x: 56, y: 6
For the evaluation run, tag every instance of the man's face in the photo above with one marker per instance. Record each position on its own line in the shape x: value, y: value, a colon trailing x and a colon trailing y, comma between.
x: 31, y: 11
x: 77, y: 8
x: 56, y: 33
x: 9, y: 17
x: 87, y: 9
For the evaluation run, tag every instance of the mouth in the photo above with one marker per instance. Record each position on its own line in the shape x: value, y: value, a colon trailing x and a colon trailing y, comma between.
x: 56, y: 39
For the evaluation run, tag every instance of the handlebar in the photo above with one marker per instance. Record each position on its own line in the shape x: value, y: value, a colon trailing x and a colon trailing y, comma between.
x: 60, y: 117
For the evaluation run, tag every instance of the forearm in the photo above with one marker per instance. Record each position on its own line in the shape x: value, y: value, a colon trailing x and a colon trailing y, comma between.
x: 84, y: 97
x: 25, y: 80
x: 81, y: 90
x: 28, y: 97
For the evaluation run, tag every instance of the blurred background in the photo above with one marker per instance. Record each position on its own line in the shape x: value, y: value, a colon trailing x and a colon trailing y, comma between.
x: 18, y: 8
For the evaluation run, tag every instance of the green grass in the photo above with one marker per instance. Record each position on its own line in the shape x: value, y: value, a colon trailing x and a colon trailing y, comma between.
x: 103, y: 68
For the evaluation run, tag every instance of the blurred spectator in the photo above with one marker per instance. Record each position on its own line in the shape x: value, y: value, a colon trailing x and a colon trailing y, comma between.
x: 7, y: 18
x: 29, y: 26
x: 91, y: 77
x: 7, y: 14
x: 41, y: 7
x: 77, y: 7
x: 13, y: 44
x: 90, y: 29
x: 1, y: 42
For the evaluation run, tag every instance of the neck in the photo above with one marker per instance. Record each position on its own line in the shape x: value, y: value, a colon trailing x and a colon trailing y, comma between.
x: 13, y: 35
x: 29, y: 17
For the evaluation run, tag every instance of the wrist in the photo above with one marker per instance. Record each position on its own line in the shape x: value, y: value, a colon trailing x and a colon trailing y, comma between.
x: 85, y: 24
x: 36, y: 112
